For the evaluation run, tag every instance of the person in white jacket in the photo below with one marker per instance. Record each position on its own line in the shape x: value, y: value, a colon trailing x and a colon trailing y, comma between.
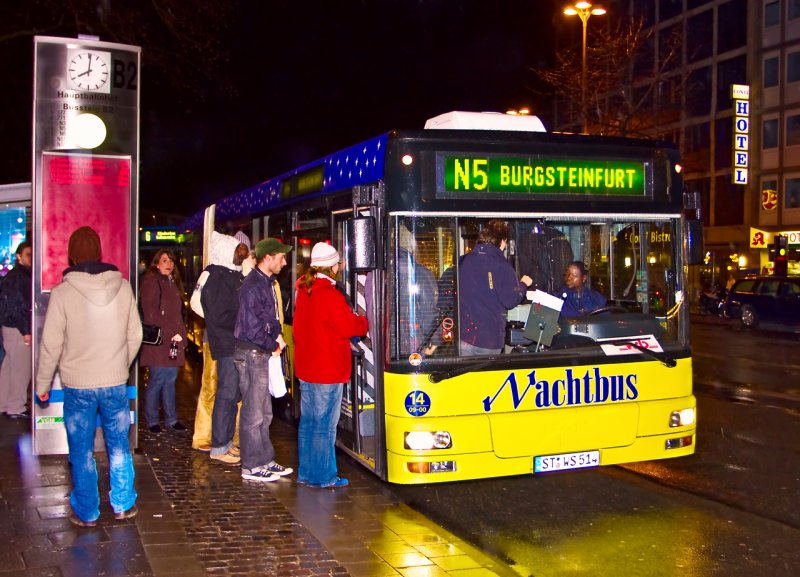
x: 221, y: 253
x: 92, y: 333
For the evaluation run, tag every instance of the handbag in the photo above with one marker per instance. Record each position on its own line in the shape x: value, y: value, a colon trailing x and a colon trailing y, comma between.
x: 151, y: 334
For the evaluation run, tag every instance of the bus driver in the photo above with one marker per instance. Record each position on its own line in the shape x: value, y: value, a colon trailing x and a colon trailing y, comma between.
x: 579, y: 298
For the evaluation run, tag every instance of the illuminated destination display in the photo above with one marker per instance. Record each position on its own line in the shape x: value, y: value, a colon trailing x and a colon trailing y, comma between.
x: 533, y: 175
x: 160, y: 235
x: 311, y: 180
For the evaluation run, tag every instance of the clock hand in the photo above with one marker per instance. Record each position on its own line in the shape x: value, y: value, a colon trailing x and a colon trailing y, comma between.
x: 88, y: 70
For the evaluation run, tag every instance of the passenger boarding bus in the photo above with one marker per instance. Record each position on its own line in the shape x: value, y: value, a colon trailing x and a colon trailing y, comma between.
x: 613, y: 386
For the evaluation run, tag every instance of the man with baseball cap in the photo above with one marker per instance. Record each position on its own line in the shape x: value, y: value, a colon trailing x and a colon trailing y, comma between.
x: 257, y: 338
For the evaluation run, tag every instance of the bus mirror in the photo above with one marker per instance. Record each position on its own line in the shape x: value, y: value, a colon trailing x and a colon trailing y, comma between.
x: 693, y: 213
x: 360, y: 234
x: 694, y: 241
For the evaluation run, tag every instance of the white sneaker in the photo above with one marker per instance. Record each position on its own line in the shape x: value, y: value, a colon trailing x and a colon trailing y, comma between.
x: 259, y: 474
x: 277, y: 469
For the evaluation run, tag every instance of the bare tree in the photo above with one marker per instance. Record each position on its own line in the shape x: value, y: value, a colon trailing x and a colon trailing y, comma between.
x: 182, y: 42
x: 630, y: 92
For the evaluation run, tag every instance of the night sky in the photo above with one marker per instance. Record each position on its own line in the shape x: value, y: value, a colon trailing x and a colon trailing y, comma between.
x: 302, y: 79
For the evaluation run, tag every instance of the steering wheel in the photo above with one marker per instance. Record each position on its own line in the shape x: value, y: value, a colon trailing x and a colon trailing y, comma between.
x: 607, y: 309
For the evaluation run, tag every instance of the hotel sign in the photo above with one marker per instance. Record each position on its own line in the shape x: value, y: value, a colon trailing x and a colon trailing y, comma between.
x: 740, y: 93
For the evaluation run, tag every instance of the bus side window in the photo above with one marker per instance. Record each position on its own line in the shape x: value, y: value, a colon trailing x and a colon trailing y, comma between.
x: 424, y: 247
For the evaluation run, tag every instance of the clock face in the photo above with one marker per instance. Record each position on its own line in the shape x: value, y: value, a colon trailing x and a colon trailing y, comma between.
x: 88, y: 70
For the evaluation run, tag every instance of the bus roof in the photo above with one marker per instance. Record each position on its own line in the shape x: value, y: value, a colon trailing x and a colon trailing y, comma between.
x: 485, y: 121
x: 364, y: 163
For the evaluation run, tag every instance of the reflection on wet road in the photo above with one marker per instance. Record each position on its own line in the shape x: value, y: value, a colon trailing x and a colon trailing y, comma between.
x: 729, y: 510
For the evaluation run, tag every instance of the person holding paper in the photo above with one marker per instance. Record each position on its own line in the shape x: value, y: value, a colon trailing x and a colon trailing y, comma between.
x: 323, y: 326
x: 488, y: 289
x: 579, y: 298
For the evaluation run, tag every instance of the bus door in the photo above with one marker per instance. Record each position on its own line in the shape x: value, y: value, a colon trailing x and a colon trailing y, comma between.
x: 360, y: 424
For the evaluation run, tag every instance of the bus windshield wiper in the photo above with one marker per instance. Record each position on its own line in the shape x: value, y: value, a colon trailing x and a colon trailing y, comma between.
x: 438, y: 376
x: 665, y: 360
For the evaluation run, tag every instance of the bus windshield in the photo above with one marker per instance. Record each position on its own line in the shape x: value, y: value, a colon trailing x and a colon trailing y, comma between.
x: 626, y: 273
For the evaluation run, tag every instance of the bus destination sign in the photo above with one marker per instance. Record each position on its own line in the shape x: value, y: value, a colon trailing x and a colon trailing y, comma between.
x: 474, y: 176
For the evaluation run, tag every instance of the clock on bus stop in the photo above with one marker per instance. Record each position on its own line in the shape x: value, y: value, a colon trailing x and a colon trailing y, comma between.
x: 89, y: 70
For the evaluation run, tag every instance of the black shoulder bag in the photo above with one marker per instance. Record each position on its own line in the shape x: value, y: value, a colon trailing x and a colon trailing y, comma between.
x: 151, y: 334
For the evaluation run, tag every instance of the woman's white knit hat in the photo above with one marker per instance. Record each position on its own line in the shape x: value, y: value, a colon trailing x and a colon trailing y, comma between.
x: 324, y: 255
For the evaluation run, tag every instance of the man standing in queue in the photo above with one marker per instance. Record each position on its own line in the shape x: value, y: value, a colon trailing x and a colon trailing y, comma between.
x: 220, y: 301
x: 257, y: 338
x: 91, y: 334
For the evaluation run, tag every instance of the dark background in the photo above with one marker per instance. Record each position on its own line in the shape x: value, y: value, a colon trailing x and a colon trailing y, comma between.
x: 234, y: 95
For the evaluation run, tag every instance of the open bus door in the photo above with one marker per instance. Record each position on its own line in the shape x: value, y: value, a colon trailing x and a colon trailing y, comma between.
x: 360, y: 428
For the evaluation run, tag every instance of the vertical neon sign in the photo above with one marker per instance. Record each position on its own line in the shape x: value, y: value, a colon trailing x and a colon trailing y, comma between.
x: 740, y: 93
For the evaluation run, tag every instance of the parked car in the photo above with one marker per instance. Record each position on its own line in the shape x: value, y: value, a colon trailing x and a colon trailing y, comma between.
x: 765, y: 299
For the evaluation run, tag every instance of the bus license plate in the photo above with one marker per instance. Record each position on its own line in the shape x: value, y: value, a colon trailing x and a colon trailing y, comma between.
x: 566, y: 461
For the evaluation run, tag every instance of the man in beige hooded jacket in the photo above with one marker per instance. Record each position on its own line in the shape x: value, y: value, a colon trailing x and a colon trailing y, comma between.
x: 92, y: 333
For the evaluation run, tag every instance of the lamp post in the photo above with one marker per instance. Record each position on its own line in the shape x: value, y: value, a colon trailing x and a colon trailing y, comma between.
x: 584, y: 10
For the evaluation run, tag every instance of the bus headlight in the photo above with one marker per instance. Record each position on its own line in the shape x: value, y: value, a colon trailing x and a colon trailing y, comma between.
x: 682, y: 418
x: 426, y: 440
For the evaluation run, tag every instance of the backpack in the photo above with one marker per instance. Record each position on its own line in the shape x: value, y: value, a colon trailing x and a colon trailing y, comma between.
x: 194, y: 302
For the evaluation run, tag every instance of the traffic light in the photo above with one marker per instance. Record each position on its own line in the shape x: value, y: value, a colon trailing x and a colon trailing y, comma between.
x: 781, y: 256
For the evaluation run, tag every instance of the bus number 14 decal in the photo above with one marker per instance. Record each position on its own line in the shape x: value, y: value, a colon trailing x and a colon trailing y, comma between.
x: 418, y: 403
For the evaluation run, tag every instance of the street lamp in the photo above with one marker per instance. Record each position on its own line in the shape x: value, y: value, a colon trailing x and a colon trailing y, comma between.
x: 584, y: 10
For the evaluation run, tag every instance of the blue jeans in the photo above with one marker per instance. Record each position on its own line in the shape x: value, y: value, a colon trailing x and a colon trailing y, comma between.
x: 320, y: 407
x: 80, y: 419
x: 161, y: 387
x: 256, y: 414
x: 226, y: 406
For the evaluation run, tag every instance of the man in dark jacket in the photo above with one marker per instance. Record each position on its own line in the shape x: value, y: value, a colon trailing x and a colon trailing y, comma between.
x: 220, y: 301
x: 488, y: 289
x: 258, y: 337
x: 15, y: 374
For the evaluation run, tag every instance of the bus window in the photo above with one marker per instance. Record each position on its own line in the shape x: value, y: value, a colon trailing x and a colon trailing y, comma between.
x: 310, y: 227
x: 422, y: 251
x: 631, y: 265
x: 643, y: 257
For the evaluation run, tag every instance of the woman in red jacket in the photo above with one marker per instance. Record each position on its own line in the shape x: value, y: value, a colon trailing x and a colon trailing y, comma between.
x: 322, y: 328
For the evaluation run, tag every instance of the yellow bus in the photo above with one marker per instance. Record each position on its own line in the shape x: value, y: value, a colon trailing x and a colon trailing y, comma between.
x: 612, y: 386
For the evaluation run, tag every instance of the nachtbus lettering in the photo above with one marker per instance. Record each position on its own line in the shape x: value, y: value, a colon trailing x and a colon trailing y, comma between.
x: 574, y: 389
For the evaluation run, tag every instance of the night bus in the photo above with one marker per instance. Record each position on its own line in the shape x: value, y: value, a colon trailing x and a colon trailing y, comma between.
x: 611, y: 387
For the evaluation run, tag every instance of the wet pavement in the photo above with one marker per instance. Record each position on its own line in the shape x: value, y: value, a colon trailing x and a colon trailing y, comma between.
x: 198, y: 517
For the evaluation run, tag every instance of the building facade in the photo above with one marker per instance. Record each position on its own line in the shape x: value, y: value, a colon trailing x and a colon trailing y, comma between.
x: 749, y: 194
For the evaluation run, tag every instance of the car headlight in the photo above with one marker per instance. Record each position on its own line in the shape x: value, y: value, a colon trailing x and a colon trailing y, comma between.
x: 426, y: 440
x: 682, y: 418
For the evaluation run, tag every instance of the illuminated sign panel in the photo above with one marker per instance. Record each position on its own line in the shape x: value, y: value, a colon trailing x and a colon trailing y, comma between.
x: 311, y: 180
x: 471, y: 176
x: 101, y: 187
x: 740, y: 93
x: 763, y: 238
x: 160, y: 235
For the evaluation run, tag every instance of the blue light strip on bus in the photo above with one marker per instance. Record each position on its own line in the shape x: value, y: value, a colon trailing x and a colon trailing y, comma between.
x: 362, y: 163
